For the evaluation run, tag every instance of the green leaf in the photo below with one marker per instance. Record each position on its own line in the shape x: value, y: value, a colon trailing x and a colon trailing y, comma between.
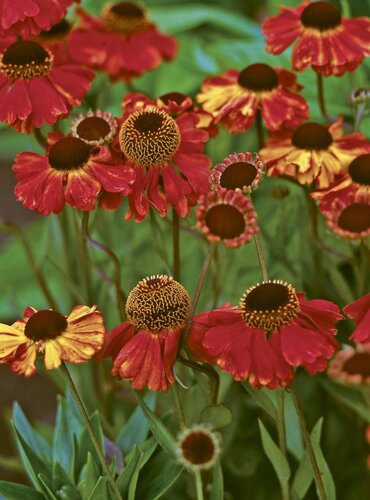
x: 263, y: 398
x: 30, y: 436
x: 274, y: 454
x: 85, y: 445
x: 218, y: 416
x: 136, y: 429
x: 304, y: 474
x: 45, y: 486
x: 185, y: 17
x: 349, y: 397
x: 294, y: 439
x: 127, y: 474
x: 217, y: 491
x: 31, y: 461
x: 340, y: 284
x: 159, y: 430
x: 100, y: 491
x: 62, y: 484
x: 157, y: 477
x: 63, y: 448
x: 14, y: 491
x: 91, y: 475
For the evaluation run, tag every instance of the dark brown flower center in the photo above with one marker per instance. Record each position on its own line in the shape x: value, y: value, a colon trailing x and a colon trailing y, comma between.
x: 125, y: 18
x: 269, y: 305
x: 176, y: 97
x: 358, y: 364
x: 312, y: 136
x: 198, y: 448
x: 258, y: 77
x: 25, y: 59
x: 321, y: 15
x: 45, y: 325
x: 69, y: 153
x: 355, y: 218
x: 149, y: 138
x: 359, y: 170
x: 225, y: 221
x: 58, y: 31
x: 158, y: 303
x: 93, y: 128
x: 239, y: 175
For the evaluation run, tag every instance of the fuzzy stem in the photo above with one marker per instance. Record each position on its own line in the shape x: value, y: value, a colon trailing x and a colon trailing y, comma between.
x: 90, y: 429
x: 259, y: 249
x: 307, y: 440
x: 198, y: 289
x: 198, y: 485
x: 120, y: 295
x: 320, y: 95
x: 176, y: 245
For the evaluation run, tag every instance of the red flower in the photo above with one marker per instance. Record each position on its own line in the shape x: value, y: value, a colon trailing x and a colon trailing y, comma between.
x: 75, y: 338
x: 200, y: 325
x: 235, y: 97
x: 329, y: 43
x: 227, y: 216
x: 348, y: 215
x: 273, y: 330
x: 241, y: 172
x: 72, y: 172
x: 155, y: 145
x: 145, y: 347
x: 313, y: 152
x: 29, y: 17
x: 57, y: 41
x: 124, y: 43
x: 359, y: 311
x: 34, y: 90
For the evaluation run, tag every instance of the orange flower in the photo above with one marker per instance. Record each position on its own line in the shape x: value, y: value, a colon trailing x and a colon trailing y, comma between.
x: 313, y: 152
x: 75, y: 338
x: 235, y: 97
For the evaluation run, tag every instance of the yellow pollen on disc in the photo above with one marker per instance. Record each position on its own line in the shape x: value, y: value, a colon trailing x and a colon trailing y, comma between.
x: 269, y: 305
x: 158, y: 302
x: 25, y: 59
x: 149, y: 137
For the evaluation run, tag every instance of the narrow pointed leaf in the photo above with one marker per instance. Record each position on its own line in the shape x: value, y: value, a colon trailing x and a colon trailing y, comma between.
x: 274, y: 454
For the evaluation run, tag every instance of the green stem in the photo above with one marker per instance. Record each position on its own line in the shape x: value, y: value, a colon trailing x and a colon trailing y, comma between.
x: 176, y: 245
x: 90, y: 429
x: 320, y: 95
x: 360, y: 112
x: 40, y: 138
x: 282, y: 440
x: 261, y: 257
x: 307, y: 440
x: 198, y: 485
x: 178, y: 406
x: 216, y: 276
x: 12, y: 228
x: 198, y: 289
x: 259, y: 129
x: 363, y: 268
x: 120, y: 295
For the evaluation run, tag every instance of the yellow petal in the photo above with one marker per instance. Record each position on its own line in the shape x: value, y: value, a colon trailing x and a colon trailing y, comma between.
x: 25, y: 361
x: 10, y: 339
x: 53, y: 353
